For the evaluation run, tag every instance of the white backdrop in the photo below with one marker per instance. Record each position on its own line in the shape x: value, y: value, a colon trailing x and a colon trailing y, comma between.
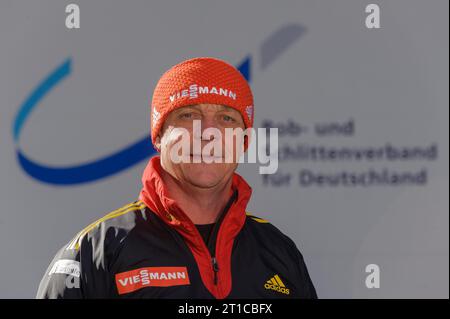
x: 311, y: 64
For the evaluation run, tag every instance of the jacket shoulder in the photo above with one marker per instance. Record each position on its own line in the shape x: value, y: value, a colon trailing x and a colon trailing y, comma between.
x: 121, y: 220
x: 256, y: 218
x: 86, y: 258
x: 266, y: 231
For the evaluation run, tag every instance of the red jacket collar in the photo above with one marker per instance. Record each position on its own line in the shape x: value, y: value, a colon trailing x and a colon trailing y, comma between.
x: 155, y: 195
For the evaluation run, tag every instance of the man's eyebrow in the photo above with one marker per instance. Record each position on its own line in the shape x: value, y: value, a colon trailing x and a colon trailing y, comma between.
x: 197, y: 107
x: 225, y: 108
x: 184, y: 108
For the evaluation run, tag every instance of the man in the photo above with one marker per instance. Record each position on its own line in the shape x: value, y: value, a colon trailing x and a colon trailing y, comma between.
x: 188, y: 235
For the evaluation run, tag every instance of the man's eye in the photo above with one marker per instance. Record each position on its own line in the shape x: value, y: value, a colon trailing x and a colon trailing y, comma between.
x: 229, y: 118
x: 186, y: 116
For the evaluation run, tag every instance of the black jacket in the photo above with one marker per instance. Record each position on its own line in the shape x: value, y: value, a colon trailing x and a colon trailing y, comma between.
x: 150, y: 249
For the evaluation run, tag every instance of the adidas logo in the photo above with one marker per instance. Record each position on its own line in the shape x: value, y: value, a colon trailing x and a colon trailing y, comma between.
x: 276, y: 284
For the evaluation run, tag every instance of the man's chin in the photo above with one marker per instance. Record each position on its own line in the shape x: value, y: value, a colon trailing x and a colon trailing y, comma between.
x: 204, y: 183
x: 202, y: 175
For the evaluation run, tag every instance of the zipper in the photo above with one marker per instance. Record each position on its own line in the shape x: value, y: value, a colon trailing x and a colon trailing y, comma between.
x: 209, y: 245
x: 215, y: 267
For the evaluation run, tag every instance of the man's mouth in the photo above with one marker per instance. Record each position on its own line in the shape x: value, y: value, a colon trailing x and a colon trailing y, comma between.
x: 203, y: 157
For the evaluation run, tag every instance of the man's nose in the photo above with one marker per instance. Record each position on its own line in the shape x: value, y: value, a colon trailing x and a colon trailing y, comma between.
x: 208, y: 122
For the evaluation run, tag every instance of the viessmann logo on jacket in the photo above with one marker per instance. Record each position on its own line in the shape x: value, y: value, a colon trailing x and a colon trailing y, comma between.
x: 133, y: 280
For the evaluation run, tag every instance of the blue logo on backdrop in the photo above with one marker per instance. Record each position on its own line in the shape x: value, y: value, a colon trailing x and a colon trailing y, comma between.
x: 131, y: 154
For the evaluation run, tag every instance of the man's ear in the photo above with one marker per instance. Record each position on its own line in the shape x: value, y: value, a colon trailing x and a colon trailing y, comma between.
x: 158, y: 143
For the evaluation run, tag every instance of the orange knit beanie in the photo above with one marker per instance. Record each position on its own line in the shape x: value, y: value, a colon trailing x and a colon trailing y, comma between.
x: 200, y: 80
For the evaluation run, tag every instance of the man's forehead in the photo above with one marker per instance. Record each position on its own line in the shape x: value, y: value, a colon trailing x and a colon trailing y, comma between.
x: 215, y: 107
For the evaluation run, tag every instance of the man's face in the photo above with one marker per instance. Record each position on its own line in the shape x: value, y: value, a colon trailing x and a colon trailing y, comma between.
x: 205, y: 174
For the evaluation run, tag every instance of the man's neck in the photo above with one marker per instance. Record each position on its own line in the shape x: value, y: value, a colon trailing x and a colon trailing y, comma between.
x: 201, y: 205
